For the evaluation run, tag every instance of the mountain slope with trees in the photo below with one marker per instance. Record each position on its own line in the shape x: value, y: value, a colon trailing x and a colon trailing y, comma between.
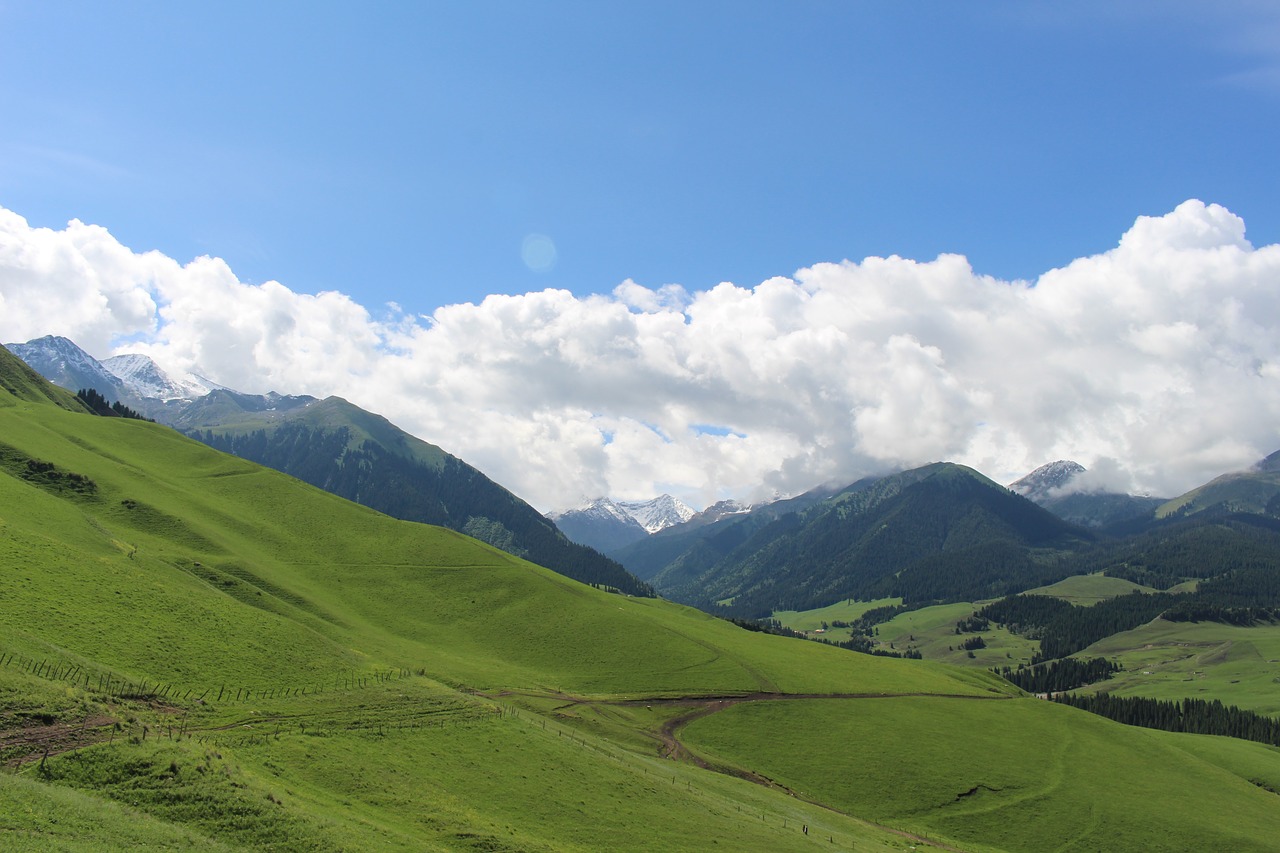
x: 937, y: 533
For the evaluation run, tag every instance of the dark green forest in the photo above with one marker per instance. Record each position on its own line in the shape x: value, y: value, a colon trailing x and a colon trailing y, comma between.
x: 937, y: 534
x: 1059, y: 675
x: 1196, y: 716
x: 1064, y: 628
x: 100, y: 406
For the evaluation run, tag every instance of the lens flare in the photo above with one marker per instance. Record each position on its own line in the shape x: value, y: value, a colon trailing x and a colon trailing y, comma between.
x: 538, y: 251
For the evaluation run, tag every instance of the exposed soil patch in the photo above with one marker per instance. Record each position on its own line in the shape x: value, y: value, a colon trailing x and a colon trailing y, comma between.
x: 35, y: 740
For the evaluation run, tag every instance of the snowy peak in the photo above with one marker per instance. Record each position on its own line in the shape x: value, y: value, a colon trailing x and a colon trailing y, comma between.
x: 720, y: 509
x: 144, y: 378
x: 608, y: 525
x: 1043, y: 482
x: 600, y: 524
x: 600, y: 509
x: 651, y: 515
x: 63, y: 363
x: 659, y: 513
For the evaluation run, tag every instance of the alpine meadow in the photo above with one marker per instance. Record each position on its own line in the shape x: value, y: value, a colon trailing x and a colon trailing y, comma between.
x: 202, y: 653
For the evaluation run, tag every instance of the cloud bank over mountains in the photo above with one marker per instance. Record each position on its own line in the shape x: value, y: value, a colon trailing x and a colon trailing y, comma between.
x: 1156, y: 363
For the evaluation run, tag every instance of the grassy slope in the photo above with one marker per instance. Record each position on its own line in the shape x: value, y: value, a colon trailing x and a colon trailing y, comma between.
x: 1026, y: 775
x: 1244, y: 491
x: 1199, y: 660
x: 407, y: 594
x: 218, y: 574
x: 1088, y: 589
x: 23, y: 383
x: 842, y: 611
x: 931, y: 630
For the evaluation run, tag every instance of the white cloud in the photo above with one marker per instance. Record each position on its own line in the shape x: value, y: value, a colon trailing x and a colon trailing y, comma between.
x: 1160, y: 358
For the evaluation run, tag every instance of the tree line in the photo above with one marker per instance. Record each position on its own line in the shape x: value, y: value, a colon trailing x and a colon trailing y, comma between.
x: 1064, y: 629
x: 100, y: 406
x: 1195, y: 716
x: 1059, y: 675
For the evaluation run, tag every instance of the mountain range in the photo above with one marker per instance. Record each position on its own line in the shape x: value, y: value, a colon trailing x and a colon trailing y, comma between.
x: 336, y: 446
x: 901, y: 535
x: 198, y: 652
x: 607, y: 525
x: 937, y: 533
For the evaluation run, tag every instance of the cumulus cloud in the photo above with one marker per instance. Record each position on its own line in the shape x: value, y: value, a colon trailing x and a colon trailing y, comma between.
x: 1155, y: 363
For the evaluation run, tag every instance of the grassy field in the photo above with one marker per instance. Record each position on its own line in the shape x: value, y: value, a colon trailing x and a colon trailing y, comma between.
x: 1016, y: 779
x: 1088, y: 589
x: 842, y: 611
x: 197, y: 653
x: 1199, y: 660
x: 930, y: 631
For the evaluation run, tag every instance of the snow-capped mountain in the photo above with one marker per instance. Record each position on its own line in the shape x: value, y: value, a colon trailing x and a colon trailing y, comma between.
x: 601, y: 524
x: 144, y: 378
x: 717, y: 511
x: 1046, y: 480
x: 1049, y: 486
x: 658, y: 513
x: 139, y: 383
x: 608, y: 525
x: 63, y: 363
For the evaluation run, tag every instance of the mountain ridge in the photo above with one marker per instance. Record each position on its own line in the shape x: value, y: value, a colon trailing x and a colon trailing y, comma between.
x: 871, y: 539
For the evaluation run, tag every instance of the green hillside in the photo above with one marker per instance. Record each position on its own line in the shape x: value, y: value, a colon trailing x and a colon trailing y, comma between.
x: 363, y: 457
x: 200, y: 653
x: 1256, y: 491
x: 20, y: 382
x: 1009, y: 781
x: 1088, y: 589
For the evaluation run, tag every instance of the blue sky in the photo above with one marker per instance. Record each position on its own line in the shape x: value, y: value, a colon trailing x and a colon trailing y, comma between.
x: 405, y: 151
x: 504, y: 226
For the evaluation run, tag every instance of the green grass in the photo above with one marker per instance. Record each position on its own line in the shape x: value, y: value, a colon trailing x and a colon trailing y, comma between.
x: 1198, y: 660
x: 408, y: 765
x: 931, y: 630
x: 1023, y: 772
x: 122, y: 587
x: 1088, y: 589
x: 37, y: 816
x: 841, y: 611
x: 457, y: 698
